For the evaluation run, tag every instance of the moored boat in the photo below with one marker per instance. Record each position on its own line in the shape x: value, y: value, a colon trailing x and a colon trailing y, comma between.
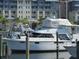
x: 43, y: 39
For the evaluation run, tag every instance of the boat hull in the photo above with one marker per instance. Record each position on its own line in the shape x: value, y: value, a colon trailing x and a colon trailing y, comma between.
x: 35, y: 46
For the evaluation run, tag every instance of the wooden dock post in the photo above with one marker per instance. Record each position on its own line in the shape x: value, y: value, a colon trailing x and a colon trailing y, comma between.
x: 77, y: 43
x: 0, y: 45
x: 57, y: 55
x: 8, y: 50
x: 27, y: 46
x: 4, y: 49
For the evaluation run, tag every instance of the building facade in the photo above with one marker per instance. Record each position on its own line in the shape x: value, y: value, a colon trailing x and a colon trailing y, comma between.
x: 8, y: 8
x: 44, y: 8
x: 31, y: 9
x: 63, y: 8
x: 24, y: 9
x: 74, y: 10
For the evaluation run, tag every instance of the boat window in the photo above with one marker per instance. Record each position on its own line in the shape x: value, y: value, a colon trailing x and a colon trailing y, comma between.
x: 58, y: 42
x: 42, y: 35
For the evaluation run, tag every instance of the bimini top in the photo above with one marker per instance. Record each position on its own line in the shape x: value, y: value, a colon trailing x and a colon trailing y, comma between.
x: 64, y: 22
x: 49, y: 22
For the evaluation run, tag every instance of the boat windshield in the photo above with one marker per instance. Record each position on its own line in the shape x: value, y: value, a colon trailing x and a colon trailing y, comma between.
x: 63, y: 37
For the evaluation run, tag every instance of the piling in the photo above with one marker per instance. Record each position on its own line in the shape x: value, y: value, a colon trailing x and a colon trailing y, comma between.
x: 4, y: 49
x: 27, y: 46
x: 57, y: 53
x: 77, y: 43
x: 8, y: 50
x: 0, y: 45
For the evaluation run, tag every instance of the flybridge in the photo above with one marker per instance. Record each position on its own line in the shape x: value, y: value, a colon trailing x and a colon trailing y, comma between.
x: 50, y: 22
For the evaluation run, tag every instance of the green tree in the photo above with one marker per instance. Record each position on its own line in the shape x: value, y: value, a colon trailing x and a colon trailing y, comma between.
x: 3, y: 20
x: 40, y: 19
x: 24, y: 21
x: 17, y: 20
x: 34, y: 25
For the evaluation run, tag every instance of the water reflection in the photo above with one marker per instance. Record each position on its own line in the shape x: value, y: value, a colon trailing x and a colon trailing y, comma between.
x: 52, y: 55
x: 62, y: 55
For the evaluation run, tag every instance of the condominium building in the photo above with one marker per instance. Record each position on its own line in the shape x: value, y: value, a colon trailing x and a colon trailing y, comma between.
x: 44, y: 8
x: 74, y: 10
x: 31, y: 9
x: 8, y: 8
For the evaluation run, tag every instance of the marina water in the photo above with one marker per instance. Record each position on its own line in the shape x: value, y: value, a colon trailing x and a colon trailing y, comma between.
x: 45, y: 55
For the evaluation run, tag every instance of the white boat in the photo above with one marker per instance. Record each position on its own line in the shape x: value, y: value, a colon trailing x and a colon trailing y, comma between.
x: 43, y: 39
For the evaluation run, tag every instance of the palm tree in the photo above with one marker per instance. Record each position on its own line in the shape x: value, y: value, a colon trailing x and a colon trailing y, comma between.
x: 17, y: 20
x: 4, y: 22
x: 40, y: 19
x: 24, y: 21
x: 34, y: 25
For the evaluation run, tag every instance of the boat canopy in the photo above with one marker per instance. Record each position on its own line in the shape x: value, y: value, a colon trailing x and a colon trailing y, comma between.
x: 49, y: 22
